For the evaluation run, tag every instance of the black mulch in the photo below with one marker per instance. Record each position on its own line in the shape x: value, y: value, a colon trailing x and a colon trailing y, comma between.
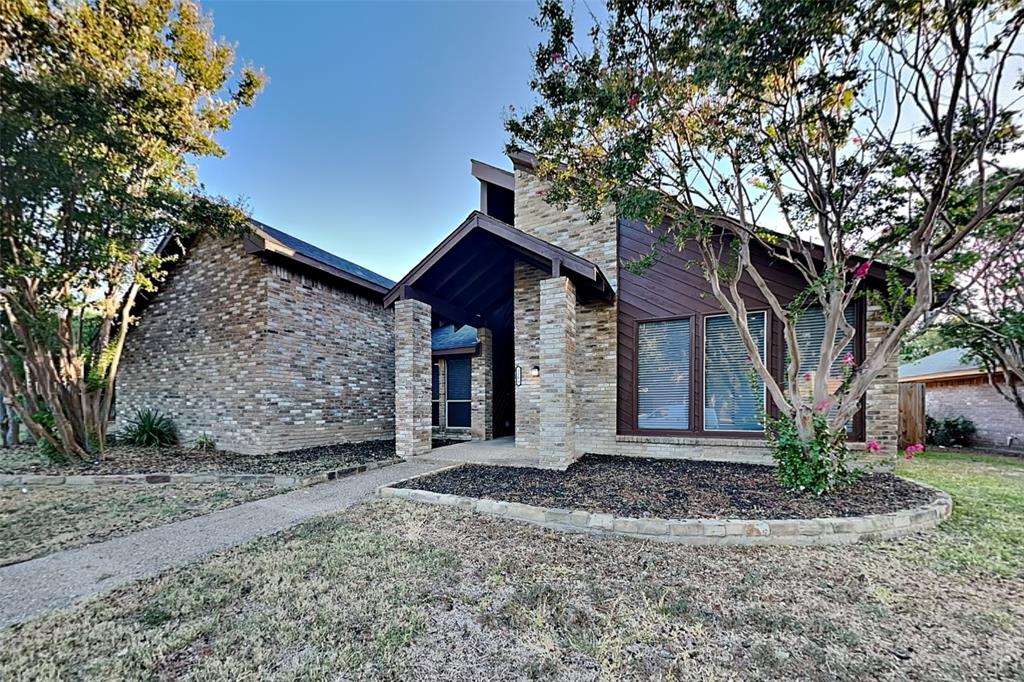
x: 672, y: 489
x: 135, y: 460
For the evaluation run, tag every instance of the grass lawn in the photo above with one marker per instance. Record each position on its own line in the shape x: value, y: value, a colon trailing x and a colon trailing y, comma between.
x: 39, y: 520
x: 394, y: 590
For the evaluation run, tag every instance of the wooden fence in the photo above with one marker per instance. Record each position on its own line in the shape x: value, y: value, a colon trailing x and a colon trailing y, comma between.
x: 912, y: 426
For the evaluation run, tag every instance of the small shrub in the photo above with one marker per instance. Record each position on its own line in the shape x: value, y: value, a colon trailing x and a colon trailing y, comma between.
x: 950, y: 431
x: 149, y: 428
x: 45, y: 419
x: 203, y: 442
x: 818, y: 466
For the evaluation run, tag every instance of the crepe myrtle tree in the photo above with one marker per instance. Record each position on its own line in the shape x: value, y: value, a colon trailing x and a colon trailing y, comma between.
x: 105, y: 103
x: 986, y: 316
x: 828, y: 134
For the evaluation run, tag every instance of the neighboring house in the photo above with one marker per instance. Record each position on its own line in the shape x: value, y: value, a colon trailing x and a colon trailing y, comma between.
x: 521, y: 323
x: 587, y: 357
x: 958, y: 387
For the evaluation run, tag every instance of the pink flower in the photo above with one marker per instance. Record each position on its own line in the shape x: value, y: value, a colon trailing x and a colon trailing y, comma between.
x: 873, y: 446
x: 634, y: 99
x: 862, y: 270
x: 856, y: 140
x: 848, y: 359
x: 556, y: 57
x: 748, y: 358
x: 808, y: 377
x: 823, y: 405
x: 911, y: 450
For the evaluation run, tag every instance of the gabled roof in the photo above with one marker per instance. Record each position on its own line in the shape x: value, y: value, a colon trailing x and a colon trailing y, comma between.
x: 453, y: 337
x: 948, y: 363
x: 271, y: 240
x: 492, y: 239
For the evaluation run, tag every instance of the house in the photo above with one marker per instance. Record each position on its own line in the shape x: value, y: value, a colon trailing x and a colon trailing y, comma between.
x: 521, y: 327
x: 586, y: 357
x: 956, y: 386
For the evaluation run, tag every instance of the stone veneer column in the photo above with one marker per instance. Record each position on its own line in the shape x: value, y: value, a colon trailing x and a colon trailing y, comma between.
x: 557, y: 442
x: 527, y: 353
x: 482, y: 420
x: 882, y: 418
x: 412, y: 378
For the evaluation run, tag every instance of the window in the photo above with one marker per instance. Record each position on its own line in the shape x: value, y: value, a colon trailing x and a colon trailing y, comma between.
x: 459, y: 380
x: 734, y: 396
x: 810, y: 330
x: 663, y: 377
x: 435, y: 395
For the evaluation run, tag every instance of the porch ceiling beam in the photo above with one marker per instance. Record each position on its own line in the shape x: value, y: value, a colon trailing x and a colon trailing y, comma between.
x: 443, y: 308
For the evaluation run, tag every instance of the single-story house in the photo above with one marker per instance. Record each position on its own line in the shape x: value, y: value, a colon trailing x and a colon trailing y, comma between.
x: 522, y: 324
x: 956, y: 386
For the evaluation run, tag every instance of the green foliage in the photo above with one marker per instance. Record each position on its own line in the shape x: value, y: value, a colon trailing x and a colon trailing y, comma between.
x: 45, y: 419
x: 817, y: 466
x: 931, y: 340
x: 105, y: 108
x: 950, y: 431
x: 150, y: 428
x: 204, y: 442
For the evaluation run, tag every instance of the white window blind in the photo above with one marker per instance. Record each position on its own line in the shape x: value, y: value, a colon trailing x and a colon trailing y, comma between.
x: 810, y: 330
x: 732, y: 401
x: 663, y: 377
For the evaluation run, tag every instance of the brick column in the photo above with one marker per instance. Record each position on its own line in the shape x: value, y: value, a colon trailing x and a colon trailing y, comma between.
x: 412, y: 378
x: 557, y: 442
x: 482, y: 420
x: 527, y: 351
x: 883, y: 412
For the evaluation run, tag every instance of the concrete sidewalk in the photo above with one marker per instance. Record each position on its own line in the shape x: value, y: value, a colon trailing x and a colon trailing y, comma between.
x: 57, y: 580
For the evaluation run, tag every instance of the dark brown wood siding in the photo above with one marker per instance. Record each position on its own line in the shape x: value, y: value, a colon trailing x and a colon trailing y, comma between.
x: 674, y: 287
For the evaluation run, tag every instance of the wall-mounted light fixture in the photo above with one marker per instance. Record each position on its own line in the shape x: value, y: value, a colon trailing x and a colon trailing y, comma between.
x: 535, y: 371
x: 519, y: 376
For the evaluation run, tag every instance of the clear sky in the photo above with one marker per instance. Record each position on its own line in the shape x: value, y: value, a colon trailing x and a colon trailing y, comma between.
x: 361, y: 141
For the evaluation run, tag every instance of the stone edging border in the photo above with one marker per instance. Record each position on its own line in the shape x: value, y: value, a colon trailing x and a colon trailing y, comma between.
x: 820, y: 531
x: 267, y: 480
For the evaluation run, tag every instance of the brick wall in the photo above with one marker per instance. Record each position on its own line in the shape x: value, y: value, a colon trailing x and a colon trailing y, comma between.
x: 527, y: 351
x: 329, y: 374
x: 995, y: 417
x: 882, y: 421
x: 259, y: 357
x: 412, y: 378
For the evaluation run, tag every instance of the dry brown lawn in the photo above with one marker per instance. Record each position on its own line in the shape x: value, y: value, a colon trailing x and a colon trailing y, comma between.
x: 393, y: 590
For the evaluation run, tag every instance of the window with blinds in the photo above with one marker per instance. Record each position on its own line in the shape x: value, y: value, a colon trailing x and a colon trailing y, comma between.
x: 663, y: 377
x: 734, y: 399
x: 435, y: 395
x: 459, y: 385
x: 810, y: 330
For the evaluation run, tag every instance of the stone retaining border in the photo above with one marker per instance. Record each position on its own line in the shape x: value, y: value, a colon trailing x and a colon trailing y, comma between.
x: 268, y: 480
x: 820, y: 531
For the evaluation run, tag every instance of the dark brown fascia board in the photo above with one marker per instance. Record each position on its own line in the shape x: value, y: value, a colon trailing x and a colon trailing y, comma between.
x: 519, y: 240
x: 262, y: 243
x: 485, y: 172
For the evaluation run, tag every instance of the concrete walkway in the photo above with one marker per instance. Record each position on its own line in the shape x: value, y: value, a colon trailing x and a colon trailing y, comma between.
x: 60, y: 579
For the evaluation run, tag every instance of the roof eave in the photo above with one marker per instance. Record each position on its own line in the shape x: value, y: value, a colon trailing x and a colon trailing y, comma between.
x: 261, y: 242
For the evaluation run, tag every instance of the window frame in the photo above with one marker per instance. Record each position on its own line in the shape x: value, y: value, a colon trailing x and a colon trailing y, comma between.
x: 448, y: 401
x: 765, y: 345
x: 773, y: 356
x: 692, y: 319
x: 439, y: 363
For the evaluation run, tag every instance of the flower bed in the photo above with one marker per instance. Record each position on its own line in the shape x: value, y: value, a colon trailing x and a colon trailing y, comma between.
x: 134, y: 465
x: 683, y: 501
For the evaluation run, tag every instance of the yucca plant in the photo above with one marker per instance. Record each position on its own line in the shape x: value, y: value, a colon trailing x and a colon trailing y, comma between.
x: 150, y: 428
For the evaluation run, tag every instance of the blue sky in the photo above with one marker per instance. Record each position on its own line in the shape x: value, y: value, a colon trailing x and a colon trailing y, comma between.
x: 361, y: 141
